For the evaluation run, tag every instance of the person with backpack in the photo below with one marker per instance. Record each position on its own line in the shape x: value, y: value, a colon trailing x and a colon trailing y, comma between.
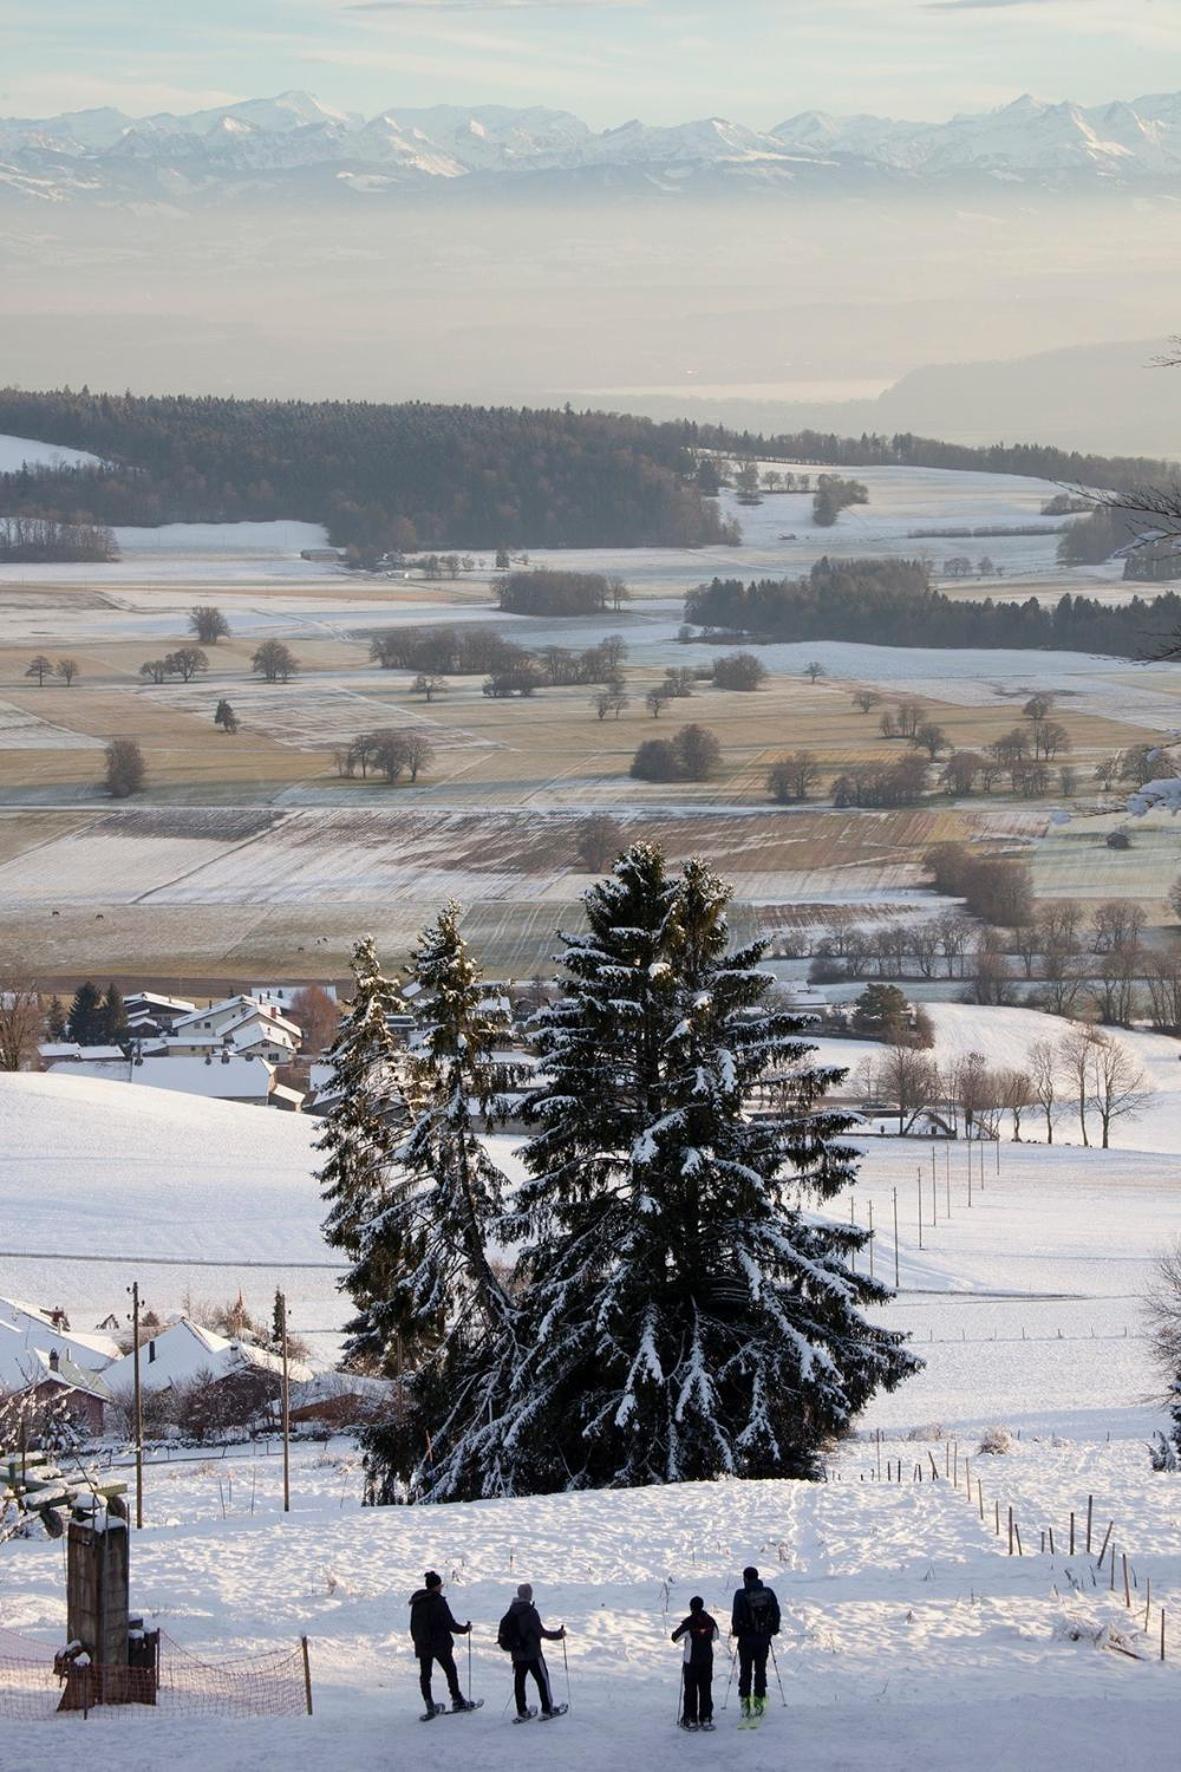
x: 700, y: 1632
x: 520, y: 1635
x: 754, y: 1621
x: 431, y: 1628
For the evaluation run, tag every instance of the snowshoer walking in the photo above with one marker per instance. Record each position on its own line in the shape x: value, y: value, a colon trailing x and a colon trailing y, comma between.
x: 521, y: 1633
x: 754, y: 1621
x: 700, y: 1632
x: 431, y: 1628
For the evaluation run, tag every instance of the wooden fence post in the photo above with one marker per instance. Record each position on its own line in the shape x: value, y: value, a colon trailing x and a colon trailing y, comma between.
x: 1147, y: 1601
x: 307, y: 1674
x: 1072, y: 1532
x: 1017, y: 1530
x: 1010, y: 1531
x: 1127, y: 1589
x: 1090, y: 1511
x: 1106, y: 1536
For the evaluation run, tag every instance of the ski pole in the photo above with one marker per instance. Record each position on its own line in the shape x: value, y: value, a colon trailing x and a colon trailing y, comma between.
x: 778, y: 1681
x: 469, y: 1659
x: 678, y: 1713
x: 566, y: 1663
x: 730, y: 1681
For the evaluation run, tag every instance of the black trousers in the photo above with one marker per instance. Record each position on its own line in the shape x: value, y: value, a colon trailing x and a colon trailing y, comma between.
x: 752, y: 1657
x: 536, y: 1667
x: 699, y: 1696
x: 446, y: 1661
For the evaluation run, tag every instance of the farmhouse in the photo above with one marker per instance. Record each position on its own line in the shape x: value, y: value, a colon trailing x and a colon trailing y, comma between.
x: 86, y: 1394
x: 185, y: 1354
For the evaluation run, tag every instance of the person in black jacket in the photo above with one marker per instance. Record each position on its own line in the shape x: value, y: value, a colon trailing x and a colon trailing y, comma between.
x: 526, y: 1633
x: 431, y: 1627
x: 754, y: 1621
x: 700, y: 1632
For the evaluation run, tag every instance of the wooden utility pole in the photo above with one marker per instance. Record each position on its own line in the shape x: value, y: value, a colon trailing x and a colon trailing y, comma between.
x: 896, y: 1283
x: 138, y: 1400
x: 281, y: 1302
x: 920, y: 1176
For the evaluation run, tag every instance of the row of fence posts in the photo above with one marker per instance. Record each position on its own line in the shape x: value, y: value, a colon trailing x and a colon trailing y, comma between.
x: 1010, y: 1528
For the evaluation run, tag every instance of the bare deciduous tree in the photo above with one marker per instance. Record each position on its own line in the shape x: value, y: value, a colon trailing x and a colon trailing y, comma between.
x: 22, y: 1023
x: 599, y: 840
x: 1119, y: 1087
x: 1042, y: 1068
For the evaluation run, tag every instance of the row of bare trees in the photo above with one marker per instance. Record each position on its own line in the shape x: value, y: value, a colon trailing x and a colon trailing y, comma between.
x: 1087, y: 1075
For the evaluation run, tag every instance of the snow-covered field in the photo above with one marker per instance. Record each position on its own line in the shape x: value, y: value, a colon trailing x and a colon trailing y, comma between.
x: 20, y: 452
x: 910, y: 1637
x: 779, y: 537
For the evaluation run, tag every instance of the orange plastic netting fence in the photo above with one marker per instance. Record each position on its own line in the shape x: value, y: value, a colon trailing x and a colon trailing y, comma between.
x: 268, y: 1685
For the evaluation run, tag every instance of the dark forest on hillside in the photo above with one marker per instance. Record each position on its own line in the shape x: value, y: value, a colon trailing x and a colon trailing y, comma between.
x: 392, y: 477
x: 892, y: 603
x: 410, y: 476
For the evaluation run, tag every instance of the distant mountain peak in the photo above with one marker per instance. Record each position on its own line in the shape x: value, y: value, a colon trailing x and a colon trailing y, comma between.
x: 291, y: 136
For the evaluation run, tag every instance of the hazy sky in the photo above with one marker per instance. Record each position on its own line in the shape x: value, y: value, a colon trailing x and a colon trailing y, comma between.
x: 663, y: 60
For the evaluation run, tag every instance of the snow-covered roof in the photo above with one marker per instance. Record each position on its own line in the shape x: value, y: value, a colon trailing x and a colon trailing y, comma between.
x: 283, y: 993
x: 24, y: 1330
x: 68, y: 1375
x: 68, y: 1051
x: 235, y: 1012
x: 186, y: 1351
x: 238, y: 1078
x: 324, y: 1387
x: 153, y: 1000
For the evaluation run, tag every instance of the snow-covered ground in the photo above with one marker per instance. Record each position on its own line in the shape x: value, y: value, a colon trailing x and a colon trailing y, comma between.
x: 21, y: 452
x: 779, y: 538
x: 910, y: 1637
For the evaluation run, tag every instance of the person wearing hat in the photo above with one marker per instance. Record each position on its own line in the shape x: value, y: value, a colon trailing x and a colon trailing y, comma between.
x: 522, y: 1634
x: 431, y: 1629
x: 700, y: 1632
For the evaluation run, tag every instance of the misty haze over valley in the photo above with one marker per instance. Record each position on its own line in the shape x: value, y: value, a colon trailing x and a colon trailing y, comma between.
x: 761, y: 279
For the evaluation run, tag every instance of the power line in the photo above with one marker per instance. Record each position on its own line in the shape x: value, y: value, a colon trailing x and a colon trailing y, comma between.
x: 330, y: 1267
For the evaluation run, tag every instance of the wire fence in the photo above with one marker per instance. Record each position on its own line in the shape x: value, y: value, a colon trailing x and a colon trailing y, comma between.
x: 37, y: 1684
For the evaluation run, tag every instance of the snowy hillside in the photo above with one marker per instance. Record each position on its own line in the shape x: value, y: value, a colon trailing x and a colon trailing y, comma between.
x: 95, y: 1169
x: 20, y: 452
x: 909, y: 1637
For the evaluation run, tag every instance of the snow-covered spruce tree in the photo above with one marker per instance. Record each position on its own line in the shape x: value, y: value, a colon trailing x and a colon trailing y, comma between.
x: 425, y: 1271
x: 366, y: 1121
x: 684, y: 1318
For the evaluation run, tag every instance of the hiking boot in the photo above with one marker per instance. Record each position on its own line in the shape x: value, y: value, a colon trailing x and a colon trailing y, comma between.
x: 745, y: 1704
x: 462, y: 1704
x: 760, y: 1706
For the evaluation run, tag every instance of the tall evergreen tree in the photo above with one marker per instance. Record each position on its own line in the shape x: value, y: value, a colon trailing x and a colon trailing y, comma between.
x: 685, y: 1318
x: 85, y: 1021
x: 113, y: 1016
x: 425, y: 1272
x: 365, y: 1121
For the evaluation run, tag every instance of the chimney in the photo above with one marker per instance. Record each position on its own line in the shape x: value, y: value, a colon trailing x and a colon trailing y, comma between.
x: 54, y: 1359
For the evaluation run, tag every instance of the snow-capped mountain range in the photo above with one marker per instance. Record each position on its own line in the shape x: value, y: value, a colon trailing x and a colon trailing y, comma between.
x: 250, y: 146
